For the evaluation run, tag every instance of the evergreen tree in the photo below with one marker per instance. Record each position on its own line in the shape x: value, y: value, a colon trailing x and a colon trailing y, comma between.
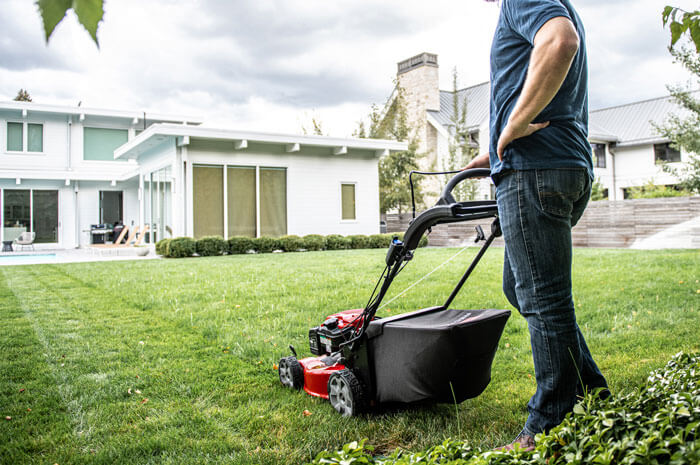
x: 461, y: 147
x: 23, y: 96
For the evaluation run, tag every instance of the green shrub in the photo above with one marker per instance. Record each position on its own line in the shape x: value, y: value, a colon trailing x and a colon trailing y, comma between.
x: 337, y: 242
x: 359, y: 241
x: 655, y: 423
x: 291, y: 243
x: 240, y: 244
x: 266, y: 244
x: 181, y: 247
x: 379, y: 241
x: 423, y: 241
x: 211, y: 245
x: 162, y: 247
x: 314, y: 242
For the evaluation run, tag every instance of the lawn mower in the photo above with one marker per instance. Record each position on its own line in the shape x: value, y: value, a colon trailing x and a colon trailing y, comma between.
x: 434, y: 354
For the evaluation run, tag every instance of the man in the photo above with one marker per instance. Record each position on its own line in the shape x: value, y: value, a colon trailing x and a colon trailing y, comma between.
x: 542, y: 166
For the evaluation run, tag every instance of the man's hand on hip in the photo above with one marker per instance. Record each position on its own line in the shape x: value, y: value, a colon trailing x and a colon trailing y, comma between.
x: 514, y: 131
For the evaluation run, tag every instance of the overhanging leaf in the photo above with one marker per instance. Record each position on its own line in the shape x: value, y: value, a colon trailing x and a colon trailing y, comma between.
x: 52, y: 12
x: 90, y: 13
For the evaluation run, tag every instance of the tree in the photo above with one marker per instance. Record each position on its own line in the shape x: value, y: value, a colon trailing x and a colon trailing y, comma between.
x: 394, y: 190
x: 316, y: 127
x: 598, y: 191
x: 461, y: 147
x: 684, y: 133
x: 89, y: 13
x: 23, y: 96
x: 682, y: 22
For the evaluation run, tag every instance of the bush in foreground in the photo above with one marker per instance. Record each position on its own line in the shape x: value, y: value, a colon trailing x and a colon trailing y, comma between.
x: 337, y: 242
x: 266, y: 244
x: 240, y: 244
x: 211, y: 245
x: 162, y: 247
x: 181, y: 247
x: 657, y: 423
x: 314, y: 242
x: 291, y: 243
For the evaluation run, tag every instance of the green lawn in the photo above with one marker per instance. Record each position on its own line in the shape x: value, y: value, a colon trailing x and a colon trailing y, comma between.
x: 171, y: 361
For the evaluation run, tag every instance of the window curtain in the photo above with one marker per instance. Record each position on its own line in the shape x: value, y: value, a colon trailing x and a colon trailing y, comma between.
x: 273, y: 202
x: 348, y: 201
x: 208, y: 209
x: 241, y: 201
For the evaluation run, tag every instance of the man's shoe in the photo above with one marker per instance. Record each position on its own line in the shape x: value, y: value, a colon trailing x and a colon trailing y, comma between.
x: 524, y: 441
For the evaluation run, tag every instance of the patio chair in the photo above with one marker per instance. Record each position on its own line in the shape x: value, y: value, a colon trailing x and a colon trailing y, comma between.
x: 26, y: 239
x: 142, y: 234
x: 119, y: 239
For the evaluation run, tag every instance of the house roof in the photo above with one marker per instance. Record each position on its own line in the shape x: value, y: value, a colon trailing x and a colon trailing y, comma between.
x: 633, y: 123
x: 629, y: 124
x: 31, y: 107
x: 158, y: 133
x: 477, y: 98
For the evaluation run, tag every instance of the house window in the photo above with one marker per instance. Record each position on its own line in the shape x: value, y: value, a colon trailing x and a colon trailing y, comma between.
x: 599, y: 155
x: 347, y: 196
x: 664, y: 153
x: 26, y: 210
x: 16, y: 137
x: 208, y: 186
x: 273, y: 202
x: 249, y: 191
x: 99, y: 144
x: 240, y: 190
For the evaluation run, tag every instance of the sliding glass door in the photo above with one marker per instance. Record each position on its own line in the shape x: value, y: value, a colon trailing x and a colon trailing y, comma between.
x: 26, y: 210
x: 249, y: 191
x: 45, y: 216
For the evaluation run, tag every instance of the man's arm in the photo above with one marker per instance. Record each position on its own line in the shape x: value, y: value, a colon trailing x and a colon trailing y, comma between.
x: 554, y: 48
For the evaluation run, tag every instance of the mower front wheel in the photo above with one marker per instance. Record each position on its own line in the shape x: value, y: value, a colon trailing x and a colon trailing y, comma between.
x: 291, y: 373
x: 345, y: 393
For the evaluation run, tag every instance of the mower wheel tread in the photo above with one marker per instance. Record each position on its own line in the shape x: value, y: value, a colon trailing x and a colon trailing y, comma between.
x: 291, y: 372
x: 346, y: 393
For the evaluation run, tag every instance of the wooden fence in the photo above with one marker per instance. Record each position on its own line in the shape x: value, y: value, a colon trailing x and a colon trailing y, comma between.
x: 604, y: 224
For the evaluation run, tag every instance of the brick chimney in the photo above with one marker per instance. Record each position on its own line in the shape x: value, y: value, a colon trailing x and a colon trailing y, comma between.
x: 418, y: 76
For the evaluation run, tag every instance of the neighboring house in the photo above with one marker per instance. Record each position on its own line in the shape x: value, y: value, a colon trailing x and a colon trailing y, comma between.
x: 64, y: 169
x: 627, y: 150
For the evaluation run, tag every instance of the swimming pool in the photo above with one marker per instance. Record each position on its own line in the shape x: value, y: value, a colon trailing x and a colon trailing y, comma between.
x: 27, y: 259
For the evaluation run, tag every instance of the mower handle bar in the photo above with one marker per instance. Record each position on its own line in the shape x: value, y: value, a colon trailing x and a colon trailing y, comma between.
x: 446, y: 198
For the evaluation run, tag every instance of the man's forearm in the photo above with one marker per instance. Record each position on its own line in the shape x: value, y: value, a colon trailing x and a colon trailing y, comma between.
x: 555, y: 47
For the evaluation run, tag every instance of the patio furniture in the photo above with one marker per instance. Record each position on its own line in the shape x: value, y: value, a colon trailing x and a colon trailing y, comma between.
x: 7, y: 246
x: 26, y: 239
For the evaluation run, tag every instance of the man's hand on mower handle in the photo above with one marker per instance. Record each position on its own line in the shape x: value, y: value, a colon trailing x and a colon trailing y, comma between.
x: 482, y: 161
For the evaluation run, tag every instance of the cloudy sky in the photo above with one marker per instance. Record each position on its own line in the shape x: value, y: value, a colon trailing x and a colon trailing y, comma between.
x: 272, y: 65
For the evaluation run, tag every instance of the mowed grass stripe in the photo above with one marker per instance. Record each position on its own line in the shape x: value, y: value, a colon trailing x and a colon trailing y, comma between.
x: 95, y: 345
x: 39, y: 428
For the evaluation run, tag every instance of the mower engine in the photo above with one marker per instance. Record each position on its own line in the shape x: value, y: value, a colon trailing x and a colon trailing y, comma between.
x: 338, y: 328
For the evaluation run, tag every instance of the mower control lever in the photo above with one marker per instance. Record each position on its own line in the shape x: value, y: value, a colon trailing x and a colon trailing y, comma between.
x: 480, y: 236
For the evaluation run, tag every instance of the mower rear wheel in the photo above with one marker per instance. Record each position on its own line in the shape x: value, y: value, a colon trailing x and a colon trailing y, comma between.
x: 345, y: 393
x: 291, y: 373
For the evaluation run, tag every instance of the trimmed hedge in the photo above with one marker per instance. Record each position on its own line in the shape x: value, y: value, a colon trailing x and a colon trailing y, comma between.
x: 211, y: 245
x: 181, y: 247
x: 240, y: 244
x: 656, y: 423
x: 337, y: 242
x: 216, y: 245
x: 291, y: 243
x: 266, y: 244
x: 314, y: 242
x: 162, y: 247
x: 359, y: 241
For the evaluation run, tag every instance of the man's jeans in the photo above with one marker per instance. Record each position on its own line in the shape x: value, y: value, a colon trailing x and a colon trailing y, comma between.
x: 537, y: 209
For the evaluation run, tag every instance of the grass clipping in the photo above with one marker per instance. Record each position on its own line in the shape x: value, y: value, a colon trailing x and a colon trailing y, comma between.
x: 656, y: 423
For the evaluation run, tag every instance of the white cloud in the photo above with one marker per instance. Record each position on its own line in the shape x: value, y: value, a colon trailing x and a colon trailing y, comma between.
x: 272, y: 64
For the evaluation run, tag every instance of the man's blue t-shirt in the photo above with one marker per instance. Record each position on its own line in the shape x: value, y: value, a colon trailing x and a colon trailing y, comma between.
x: 564, y: 143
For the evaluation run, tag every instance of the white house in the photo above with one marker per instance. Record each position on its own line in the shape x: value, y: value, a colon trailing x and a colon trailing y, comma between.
x: 65, y: 169
x: 628, y: 151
